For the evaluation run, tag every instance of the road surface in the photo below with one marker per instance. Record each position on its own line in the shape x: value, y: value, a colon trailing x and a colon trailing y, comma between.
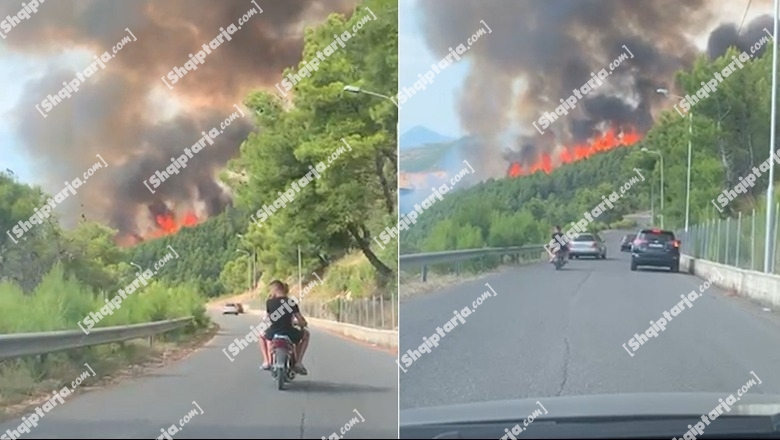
x: 239, y: 401
x: 549, y: 333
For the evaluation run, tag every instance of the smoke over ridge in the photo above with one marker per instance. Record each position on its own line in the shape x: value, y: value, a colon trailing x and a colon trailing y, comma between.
x: 539, y: 51
x: 121, y: 112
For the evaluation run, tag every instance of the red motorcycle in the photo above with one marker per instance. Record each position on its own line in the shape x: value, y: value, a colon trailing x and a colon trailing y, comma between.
x: 282, y: 360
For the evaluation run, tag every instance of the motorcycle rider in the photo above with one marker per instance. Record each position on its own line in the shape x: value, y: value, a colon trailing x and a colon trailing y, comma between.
x: 278, y: 302
x: 564, y: 249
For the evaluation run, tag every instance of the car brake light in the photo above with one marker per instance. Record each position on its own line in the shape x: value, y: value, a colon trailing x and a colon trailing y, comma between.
x: 639, y: 241
x: 676, y: 243
x: 656, y: 231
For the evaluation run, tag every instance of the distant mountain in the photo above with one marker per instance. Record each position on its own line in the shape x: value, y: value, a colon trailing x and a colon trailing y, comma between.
x: 419, y: 136
x: 442, y: 156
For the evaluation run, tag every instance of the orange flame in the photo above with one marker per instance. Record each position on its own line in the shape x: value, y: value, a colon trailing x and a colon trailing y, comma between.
x: 607, y: 141
x: 167, y: 224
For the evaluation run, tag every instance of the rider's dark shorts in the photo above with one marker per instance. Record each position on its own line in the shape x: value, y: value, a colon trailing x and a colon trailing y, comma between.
x: 294, y: 334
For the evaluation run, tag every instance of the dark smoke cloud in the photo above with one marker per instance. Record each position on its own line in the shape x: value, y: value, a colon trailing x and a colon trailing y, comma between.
x: 116, y: 114
x: 725, y: 36
x: 553, y: 46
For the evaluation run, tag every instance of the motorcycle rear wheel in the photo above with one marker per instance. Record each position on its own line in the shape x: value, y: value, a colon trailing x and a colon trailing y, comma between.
x: 281, y: 372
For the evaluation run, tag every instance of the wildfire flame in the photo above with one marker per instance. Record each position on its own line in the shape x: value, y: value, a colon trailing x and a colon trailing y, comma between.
x: 167, y: 224
x: 607, y: 141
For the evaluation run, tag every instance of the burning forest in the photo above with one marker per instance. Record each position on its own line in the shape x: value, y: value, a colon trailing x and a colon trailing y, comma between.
x: 129, y: 116
x: 607, y: 141
x: 541, y: 50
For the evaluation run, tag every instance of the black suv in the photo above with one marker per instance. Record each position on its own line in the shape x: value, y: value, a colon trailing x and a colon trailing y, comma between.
x: 654, y: 247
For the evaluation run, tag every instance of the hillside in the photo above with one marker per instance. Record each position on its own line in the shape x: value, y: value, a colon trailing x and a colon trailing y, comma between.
x: 729, y: 137
x: 418, y: 136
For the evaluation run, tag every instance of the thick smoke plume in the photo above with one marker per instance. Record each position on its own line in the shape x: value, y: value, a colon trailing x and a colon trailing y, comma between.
x: 121, y: 112
x: 552, y: 46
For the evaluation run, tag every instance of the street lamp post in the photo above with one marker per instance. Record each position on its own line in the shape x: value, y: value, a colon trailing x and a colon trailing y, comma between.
x: 300, y: 274
x: 662, y: 181
x: 253, y: 264
x: 652, y: 202
x: 666, y: 93
x: 249, y: 267
x: 356, y: 90
x: 769, y: 242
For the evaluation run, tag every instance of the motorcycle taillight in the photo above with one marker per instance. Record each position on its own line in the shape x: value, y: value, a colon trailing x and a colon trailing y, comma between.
x: 279, y: 343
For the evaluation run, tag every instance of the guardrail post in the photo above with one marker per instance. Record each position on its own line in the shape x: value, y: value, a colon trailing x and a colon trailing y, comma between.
x: 717, y: 248
x: 424, y: 274
x: 739, y: 236
x: 40, y: 364
x: 728, y: 230
x: 457, y: 268
x: 392, y: 310
x: 753, y: 242
x: 382, y: 309
x: 151, y: 342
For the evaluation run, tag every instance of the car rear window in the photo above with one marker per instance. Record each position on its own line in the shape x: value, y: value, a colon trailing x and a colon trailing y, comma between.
x: 662, y: 236
x: 585, y: 237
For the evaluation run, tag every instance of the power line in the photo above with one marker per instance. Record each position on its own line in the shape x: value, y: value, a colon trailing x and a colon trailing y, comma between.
x: 743, y: 18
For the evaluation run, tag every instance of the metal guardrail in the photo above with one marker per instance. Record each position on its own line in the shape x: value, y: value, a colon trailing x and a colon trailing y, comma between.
x: 425, y: 259
x: 32, y: 344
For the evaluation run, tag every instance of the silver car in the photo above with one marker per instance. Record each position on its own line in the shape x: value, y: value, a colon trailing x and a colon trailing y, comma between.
x: 588, y: 244
x: 230, y: 309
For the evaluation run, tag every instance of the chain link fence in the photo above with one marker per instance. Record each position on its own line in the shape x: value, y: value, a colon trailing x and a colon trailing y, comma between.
x: 738, y: 242
x: 378, y: 312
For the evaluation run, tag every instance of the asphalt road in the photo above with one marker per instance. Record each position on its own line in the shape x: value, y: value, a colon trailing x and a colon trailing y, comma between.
x: 549, y: 333
x: 238, y: 400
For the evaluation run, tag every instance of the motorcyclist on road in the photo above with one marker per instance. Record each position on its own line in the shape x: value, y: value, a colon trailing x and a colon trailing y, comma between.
x: 278, y: 300
x: 563, y: 247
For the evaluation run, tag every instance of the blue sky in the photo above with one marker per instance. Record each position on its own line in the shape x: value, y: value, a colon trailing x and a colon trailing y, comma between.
x: 436, y: 107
